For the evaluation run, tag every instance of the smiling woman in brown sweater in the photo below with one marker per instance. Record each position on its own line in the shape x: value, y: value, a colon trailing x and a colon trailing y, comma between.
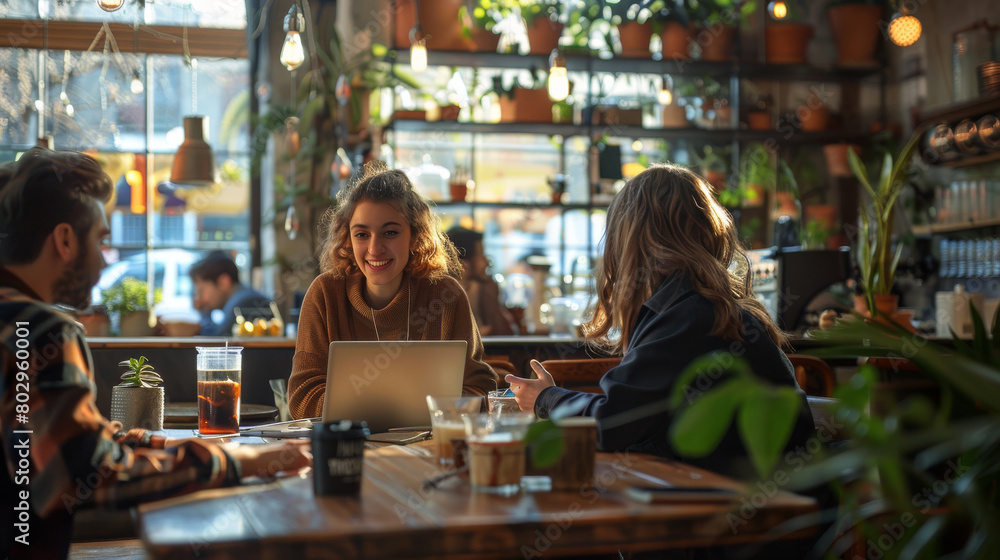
x: 385, y: 277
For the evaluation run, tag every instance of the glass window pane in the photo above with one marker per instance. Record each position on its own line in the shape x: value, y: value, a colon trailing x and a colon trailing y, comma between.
x: 18, y: 91
x: 229, y: 14
x: 212, y: 217
x: 105, y: 114
x: 515, y: 167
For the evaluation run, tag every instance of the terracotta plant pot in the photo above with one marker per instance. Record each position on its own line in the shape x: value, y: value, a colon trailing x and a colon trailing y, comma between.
x: 759, y: 120
x: 888, y: 310
x: 787, y: 43
x: 856, y: 33
x: 485, y: 40
x: 676, y: 40
x: 814, y: 120
x: 716, y: 42
x: 458, y: 191
x: 837, y: 163
x: 438, y: 20
x: 717, y: 179
x: 543, y: 35
x: 635, y: 37
x: 674, y: 116
x: 526, y: 105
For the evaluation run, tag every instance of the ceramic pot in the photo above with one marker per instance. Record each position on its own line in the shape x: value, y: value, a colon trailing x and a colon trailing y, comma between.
x: 137, y: 407
x: 716, y: 42
x: 676, y: 39
x: 759, y: 120
x: 543, y: 35
x: 438, y: 20
x: 526, y: 105
x: 674, y: 116
x: 485, y: 40
x: 856, y: 33
x: 787, y: 43
x: 837, y: 162
x: 635, y: 37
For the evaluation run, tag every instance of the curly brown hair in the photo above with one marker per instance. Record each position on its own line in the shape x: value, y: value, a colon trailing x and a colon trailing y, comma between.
x: 432, y: 255
x: 666, y: 220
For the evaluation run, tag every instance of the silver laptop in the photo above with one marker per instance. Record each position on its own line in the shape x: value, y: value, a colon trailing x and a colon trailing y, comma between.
x: 386, y: 383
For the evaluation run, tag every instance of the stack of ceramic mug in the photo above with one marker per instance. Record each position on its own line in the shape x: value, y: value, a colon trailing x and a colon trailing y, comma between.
x: 989, y: 79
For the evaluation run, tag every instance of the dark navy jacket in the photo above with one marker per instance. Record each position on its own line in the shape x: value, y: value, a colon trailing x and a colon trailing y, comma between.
x: 670, y: 332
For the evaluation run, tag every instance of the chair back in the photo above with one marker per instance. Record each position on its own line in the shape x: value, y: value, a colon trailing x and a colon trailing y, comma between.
x: 580, y: 375
x: 813, y: 375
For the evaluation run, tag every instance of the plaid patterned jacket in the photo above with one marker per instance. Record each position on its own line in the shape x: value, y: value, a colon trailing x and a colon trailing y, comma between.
x: 59, y: 451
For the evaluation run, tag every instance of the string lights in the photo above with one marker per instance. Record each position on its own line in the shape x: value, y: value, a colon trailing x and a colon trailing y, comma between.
x: 778, y: 9
x: 558, y: 80
x: 292, y: 51
x: 666, y: 94
x: 110, y: 5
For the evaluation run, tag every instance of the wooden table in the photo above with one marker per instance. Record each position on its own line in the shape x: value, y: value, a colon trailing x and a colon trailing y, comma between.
x: 395, y: 518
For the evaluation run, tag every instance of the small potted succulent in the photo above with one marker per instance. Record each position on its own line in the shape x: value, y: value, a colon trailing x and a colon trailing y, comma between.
x: 137, y: 402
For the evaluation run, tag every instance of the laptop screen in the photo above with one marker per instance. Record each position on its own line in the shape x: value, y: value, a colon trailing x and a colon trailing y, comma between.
x: 385, y: 383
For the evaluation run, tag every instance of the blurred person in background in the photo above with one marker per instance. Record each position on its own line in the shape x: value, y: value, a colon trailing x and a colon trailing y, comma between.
x: 484, y: 294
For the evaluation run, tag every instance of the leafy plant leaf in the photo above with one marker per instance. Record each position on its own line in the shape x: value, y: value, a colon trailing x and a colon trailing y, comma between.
x: 545, y: 442
x: 765, y: 423
x: 699, y: 428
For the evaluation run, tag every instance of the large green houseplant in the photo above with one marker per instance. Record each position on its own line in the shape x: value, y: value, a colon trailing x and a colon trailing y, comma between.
x: 876, y: 259
x: 917, y: 476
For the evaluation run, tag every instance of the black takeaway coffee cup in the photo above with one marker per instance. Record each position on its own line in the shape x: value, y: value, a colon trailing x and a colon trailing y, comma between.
x: 338, y: 456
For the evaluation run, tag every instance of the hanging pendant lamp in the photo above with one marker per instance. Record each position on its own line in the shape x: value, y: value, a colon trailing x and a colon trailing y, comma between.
x: 193, y: 163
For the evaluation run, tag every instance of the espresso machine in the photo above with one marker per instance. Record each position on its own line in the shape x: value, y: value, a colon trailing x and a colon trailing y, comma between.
x: 787, y: 279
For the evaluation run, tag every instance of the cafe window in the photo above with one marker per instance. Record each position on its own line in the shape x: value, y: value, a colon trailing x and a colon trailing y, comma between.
x: 70, y: 77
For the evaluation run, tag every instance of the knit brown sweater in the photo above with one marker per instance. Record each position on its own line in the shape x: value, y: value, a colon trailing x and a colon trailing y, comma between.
x: 335, y: 309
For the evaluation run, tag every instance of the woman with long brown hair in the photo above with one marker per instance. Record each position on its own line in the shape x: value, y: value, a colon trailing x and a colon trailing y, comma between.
x: 673, y: 285
x: 385, y: 276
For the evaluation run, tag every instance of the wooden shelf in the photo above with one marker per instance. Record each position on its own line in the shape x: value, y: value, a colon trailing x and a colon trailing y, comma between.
x: 577, y: 62
x: 948, y: 228
x: 719, y: 135
x: 952, y: 115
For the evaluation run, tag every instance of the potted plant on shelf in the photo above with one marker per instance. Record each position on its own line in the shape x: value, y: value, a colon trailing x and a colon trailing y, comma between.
x: 786, y: 40
x: 673, y: 22
x: 524, y: 104
x: 718, y: 22
x: 855, y: 25
x: 528, y: 27
x: 128, y: 300
x: 713, y: 168
x: 876, y: 260
x: 757, y: 175
x: 137, y: 402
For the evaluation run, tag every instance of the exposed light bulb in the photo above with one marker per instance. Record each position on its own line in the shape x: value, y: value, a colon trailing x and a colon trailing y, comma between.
x: 39, y: 106
x: 69, y: 110
x: 63, y: 97
x: 904, y: 29
x: 778, y: 9
x: 418, y: 56
x: 666, y: 94
x: 110, y: 5
x: 558, y: 84
x: 558, y: 80
x: 637, y: 145
x: 292, y: 53
x: 136, y: 85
